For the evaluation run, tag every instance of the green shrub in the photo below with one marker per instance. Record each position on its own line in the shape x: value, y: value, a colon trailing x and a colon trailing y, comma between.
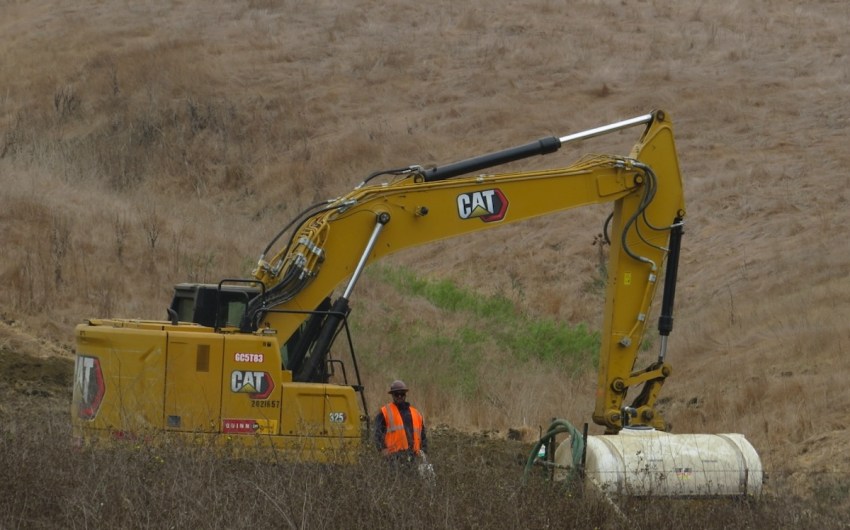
x: 497, y: 318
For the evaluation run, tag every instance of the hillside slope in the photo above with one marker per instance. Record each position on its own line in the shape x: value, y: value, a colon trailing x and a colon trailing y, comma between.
x: 141, y: 145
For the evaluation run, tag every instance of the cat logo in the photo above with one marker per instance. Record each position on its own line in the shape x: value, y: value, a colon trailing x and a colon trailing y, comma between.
x: 258, y: 385
x: 488, y: 205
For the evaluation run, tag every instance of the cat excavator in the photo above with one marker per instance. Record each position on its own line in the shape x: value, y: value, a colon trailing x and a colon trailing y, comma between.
x: 248, y: 361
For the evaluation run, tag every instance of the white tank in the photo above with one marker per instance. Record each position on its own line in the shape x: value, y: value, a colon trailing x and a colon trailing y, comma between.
x: 649, y: 462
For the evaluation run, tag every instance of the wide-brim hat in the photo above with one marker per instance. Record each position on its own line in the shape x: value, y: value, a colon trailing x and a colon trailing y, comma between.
x: 397, y: 386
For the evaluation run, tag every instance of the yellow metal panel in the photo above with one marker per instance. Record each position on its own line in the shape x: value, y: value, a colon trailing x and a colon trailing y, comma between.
x: 343, y: 416
x: 320, y: 410
x: 251, y: 379
x: 193, y: 382
x: 132, y: 365
x: 610, y: 184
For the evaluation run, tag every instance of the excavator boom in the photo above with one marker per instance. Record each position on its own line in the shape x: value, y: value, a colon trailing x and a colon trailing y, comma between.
x: 426, y: 205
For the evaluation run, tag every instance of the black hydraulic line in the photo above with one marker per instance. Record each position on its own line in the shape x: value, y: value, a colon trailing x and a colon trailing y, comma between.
x: 311, y: 368
x: 289, y: 225
x: 544, y: 146
x: 395, y: 172
x: 307, y: 337
x: 276, y: 294
x: 665, y: 321
x: 605, y: 226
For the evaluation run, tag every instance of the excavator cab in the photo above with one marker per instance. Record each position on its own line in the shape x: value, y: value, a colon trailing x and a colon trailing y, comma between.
x: 212, y: 305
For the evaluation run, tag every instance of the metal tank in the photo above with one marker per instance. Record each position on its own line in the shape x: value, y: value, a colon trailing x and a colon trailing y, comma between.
x: 644, y: 461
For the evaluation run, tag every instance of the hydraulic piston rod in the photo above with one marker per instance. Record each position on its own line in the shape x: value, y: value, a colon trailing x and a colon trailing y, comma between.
x: 544, y: 146
x: 311, y: 370
x: 383, y: 219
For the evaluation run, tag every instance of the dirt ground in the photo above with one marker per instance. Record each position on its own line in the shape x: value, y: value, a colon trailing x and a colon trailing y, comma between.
x: 27, y: 371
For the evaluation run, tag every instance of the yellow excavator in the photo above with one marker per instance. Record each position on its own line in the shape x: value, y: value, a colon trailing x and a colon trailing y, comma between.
x: 248, y: 362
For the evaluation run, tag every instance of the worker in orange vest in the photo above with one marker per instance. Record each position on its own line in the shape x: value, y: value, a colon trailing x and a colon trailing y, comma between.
x: 400, y: 428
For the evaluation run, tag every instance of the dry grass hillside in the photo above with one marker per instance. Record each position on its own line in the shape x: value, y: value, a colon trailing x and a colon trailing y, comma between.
x: 147, y: 143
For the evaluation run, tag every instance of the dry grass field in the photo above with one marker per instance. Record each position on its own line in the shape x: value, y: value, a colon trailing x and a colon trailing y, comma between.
x: 147, y: 143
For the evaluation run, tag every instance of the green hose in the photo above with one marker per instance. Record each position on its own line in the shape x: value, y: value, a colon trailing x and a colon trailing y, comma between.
x: 576, y: 446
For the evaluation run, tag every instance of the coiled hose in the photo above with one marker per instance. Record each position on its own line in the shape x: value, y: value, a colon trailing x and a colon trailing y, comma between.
x: 557, y: 427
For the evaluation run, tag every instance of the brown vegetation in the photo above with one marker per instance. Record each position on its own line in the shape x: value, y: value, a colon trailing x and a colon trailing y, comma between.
x: 150, y: 143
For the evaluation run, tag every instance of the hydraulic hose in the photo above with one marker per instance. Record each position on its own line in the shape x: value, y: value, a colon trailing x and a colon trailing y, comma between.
x: 557, y: 427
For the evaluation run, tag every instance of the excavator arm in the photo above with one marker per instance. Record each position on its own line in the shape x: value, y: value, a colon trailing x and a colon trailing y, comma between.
x: 330, y: 244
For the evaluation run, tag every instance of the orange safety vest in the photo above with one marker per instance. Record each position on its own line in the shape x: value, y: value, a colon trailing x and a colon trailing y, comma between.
x: 396, y: 438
